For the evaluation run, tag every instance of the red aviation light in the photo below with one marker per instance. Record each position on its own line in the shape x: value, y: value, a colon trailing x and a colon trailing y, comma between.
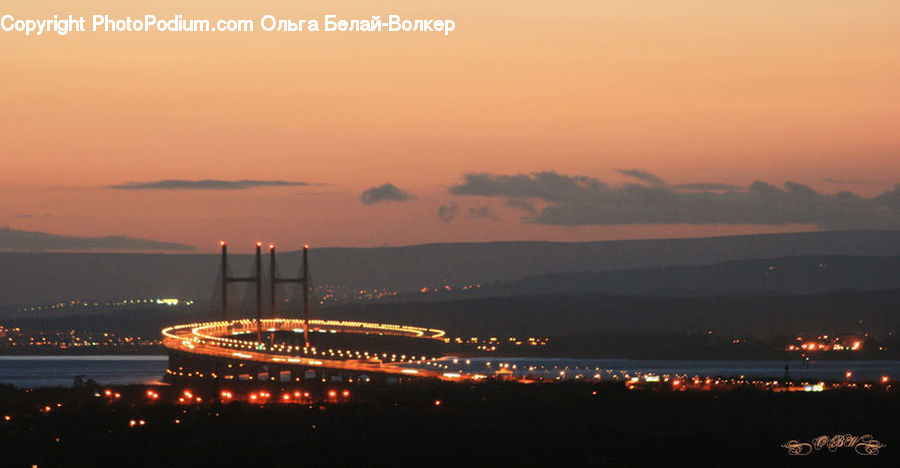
x: 258, y: 243
x: 271, y: 246
x: 222, y: 243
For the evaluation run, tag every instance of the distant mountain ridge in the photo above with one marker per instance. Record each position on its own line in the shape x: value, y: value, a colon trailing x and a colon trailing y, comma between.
x: 790, y: 275
x: 35, y: 278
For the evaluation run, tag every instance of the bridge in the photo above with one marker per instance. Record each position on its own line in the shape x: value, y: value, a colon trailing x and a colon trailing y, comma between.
x: 282, y: 349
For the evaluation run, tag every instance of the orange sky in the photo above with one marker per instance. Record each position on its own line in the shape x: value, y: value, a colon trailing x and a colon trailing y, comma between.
x: 691, y: 91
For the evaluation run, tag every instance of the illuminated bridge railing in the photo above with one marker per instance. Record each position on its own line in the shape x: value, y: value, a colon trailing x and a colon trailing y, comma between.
x: 222, y: 334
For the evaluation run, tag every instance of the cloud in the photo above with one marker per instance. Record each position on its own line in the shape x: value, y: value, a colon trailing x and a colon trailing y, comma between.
x: 482, y: 212
x: 384, y: 193
x: 580, y: 200
x: 29, y: 241
x: 521, y: 204
x: 30, y: 216
x: 448, y: 213
x: 651, y: 179
x: 543, y: 185
x: 206, y: 184
x: 642, y: 176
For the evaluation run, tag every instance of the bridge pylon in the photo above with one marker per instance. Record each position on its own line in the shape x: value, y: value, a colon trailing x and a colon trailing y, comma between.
x: 303, y: 280
x: 257, y: 278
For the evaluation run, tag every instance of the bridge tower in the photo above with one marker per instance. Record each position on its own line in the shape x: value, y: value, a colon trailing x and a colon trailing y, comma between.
x: 257, y: 278
x: 303, y: 280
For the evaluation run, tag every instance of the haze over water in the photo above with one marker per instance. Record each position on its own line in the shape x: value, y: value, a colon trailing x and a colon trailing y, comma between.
x: 51, y: 371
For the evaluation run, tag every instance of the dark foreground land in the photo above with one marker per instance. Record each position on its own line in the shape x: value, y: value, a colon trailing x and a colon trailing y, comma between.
x: 438, y: 424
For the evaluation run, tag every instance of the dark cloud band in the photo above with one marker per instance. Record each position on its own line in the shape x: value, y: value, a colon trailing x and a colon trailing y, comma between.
x: 206, y: 184
x: 579, y: 200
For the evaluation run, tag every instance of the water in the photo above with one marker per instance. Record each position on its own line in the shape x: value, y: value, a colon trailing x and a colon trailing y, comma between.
x: 570, y: 368
x: 50, y: 371
x: 46, y: 371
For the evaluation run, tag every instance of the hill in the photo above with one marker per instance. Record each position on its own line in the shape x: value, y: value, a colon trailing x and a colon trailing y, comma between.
x: 36, y: 278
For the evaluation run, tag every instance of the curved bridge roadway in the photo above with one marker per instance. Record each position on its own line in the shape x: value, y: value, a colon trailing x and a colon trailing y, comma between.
x: 218, y: 339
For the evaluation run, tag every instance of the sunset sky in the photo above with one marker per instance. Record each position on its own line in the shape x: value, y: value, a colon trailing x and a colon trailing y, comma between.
x: 538, y: 102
